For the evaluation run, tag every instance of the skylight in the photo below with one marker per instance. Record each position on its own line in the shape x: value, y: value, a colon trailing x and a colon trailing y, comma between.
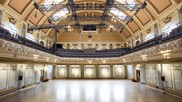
x: 60, y: 14
x: 130, y: 2
x: 48, y: 3
x: 118, y: 13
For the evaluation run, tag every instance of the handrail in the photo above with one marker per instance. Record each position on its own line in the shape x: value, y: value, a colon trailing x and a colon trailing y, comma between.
x: 175, y: 33
x: 16, y: 34
x: 5, y: 34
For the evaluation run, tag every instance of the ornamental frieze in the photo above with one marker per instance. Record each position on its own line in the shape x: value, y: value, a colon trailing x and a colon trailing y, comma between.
x: 13, y: 47
x: 176, y: 66
x: 16, y: 48
x: 3, y: 66
x: 164, y: 47
x: 13, y: 66
x: 173, y: 45
x: 20, y: 49
x: 179, y: 44
x: 157, y: 49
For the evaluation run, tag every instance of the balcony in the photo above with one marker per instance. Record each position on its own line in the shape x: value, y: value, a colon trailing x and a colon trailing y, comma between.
x: 163, y: 38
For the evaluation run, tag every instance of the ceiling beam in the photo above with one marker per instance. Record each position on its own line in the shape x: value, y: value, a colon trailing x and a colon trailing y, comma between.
x: 107, y: 7
x: 71, y: 7
x: 91, y: 6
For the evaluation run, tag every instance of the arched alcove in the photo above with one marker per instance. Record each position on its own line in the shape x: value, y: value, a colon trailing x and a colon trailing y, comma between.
x: 11, y: 28
x: 29, y: 36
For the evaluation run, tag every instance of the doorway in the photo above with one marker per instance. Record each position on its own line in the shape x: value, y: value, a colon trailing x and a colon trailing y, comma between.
x: 138, y: 75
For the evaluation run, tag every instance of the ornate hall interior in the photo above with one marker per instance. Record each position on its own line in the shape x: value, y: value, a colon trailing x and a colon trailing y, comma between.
x: 90, y: 50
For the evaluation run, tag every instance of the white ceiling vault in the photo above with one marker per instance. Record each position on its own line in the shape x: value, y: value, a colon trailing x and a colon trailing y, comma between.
x: 150, y: 13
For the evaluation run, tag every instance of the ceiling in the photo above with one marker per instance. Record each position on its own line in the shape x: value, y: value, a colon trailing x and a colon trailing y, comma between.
x: 141, y: 18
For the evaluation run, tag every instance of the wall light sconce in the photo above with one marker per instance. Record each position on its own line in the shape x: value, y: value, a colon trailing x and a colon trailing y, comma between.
x: 55, y: 60
x: 104, y: 61
x: 124, y: 60
x: 35, y: 58
x: 166, y: 55
x: 144, y: 57
x: 47, y: 59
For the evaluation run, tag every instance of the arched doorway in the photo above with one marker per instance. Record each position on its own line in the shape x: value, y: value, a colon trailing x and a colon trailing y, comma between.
x: 137, y: 43
x: 42, y: 43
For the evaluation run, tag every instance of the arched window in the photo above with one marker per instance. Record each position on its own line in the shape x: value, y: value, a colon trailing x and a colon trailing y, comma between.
x: 168, y: 28
x: 29, y: 36
x: 149, y: 36
x: 11, y: 28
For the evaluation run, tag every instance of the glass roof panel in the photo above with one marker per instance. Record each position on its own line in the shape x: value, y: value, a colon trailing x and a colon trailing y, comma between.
x: 62, y: 13
x: 130, y: 2
x: 118, y: 13
x: 48, y: 3
x: 121, y: 15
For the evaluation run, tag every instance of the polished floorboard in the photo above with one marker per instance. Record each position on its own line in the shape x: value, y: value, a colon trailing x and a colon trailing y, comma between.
x: 91, y: 91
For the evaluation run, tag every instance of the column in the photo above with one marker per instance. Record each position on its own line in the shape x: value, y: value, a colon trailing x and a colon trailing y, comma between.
x: 97, y: 71
x: 156, y: 30
x: 82, y: 71
x: 180, y: 15
x: 68, y: 71
x: 141, y: 37
x: 111, y: 71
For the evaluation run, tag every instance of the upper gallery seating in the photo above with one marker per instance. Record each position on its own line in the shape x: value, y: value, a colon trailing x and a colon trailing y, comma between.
x: 103, y: 53
x: 164, y: 37
x: 175, y: 33
x: 5, y: 34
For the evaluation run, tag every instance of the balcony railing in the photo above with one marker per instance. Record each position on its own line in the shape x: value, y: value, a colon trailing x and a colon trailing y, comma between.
x: 164, y: 37
x: 15, y: 37
x: 103, y: 53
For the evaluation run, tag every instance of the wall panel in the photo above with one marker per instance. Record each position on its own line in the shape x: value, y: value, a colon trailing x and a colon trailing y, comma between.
x: 75, y: 71
x: 118, y: 71
x: 89, y: 71
x: 3, y: 78
x: 13, y: 76
x: 62, y: 71
x: 29, y: 74
x: 151, y: 74
x: 104, y: 71
x: 178, y: 79
x: 130, y: 71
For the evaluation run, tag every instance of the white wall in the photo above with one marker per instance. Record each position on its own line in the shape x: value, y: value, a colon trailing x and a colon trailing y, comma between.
x: 8, y: 76
x: 49, y: 71
x: 151, y: 74
x: 118, y: 71
x: 38, y: 69
x: 130, y: 71
x: 173, y: 76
